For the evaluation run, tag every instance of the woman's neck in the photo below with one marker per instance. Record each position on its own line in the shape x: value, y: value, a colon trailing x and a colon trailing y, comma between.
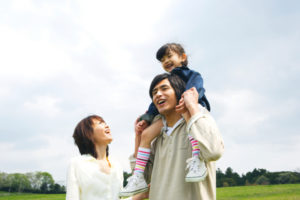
x: 101, y: 152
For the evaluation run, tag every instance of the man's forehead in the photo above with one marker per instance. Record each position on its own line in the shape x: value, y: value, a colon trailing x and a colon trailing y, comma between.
x: 161, y: 83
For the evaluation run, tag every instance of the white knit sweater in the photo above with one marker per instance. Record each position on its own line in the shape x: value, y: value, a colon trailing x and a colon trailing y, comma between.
x: 86, y: 182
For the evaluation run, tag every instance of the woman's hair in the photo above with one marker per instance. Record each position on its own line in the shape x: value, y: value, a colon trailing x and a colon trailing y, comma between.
x: 83, y: 135
x: 165, y: 49
x: 175, y: 81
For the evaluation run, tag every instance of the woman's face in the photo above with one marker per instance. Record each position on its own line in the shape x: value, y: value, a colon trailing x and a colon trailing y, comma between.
x: 101, y: 132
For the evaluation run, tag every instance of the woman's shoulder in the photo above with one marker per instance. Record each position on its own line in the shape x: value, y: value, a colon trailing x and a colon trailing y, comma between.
x: 81, y: 158
x: 113, y: 161
x: 115, y: 164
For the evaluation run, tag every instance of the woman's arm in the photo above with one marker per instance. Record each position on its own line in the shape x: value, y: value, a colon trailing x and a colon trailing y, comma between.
x: 72, y: 183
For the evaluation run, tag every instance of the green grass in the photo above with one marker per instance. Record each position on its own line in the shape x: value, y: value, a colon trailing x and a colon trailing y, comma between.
x: 267, y: 192
x: 260, y: 192
x: 28, y: 196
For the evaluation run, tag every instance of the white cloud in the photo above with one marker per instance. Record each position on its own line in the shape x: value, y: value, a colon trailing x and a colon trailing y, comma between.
x: 65, y: 60
x: 25, y: 58
x: 46, y: 105
x: 240, y: 111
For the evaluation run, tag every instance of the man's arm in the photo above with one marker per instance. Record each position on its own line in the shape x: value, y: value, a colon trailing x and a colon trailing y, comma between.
x: 202, y: 127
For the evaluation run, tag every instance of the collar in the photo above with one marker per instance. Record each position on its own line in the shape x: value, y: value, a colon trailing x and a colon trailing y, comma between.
x: 168, y: 130
x: 88, y: 157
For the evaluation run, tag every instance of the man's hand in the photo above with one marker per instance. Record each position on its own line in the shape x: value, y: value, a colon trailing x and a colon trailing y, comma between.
x: 139, y: 126
x: 141, y: 196
x: 190, y: 98
x: 180, y: 108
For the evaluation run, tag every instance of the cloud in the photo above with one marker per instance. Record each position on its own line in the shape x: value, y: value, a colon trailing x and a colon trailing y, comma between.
x: 45, y: 104
x: 62, y: 61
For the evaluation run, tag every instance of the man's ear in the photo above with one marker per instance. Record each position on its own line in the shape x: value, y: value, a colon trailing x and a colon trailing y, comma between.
x: 184, y: 56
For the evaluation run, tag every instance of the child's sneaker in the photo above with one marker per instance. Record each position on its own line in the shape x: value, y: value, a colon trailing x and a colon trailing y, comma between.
x: 136, y: 184
x: 197, y: 169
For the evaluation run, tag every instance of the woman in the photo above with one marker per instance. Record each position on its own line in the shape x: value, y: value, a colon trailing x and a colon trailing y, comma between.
x: 92, y: 176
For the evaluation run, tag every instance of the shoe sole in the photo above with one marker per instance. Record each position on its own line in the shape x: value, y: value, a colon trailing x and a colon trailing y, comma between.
x: 196, y: 179
x: 129, y: 194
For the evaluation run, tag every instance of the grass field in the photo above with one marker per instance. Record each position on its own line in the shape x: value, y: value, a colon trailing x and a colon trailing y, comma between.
x: 261, y: 192
x: 24, y: 196
x: 268, y: 192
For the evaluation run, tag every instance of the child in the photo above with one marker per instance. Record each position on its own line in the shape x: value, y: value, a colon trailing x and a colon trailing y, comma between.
x: 174, y: 60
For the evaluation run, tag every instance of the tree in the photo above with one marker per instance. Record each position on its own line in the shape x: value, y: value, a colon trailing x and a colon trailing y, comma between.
x: 125, y: 175
x: 220, y: 176
x: 262, y: 180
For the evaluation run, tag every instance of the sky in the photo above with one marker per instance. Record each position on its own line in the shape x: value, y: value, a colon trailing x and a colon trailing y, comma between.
x: 61, y: 61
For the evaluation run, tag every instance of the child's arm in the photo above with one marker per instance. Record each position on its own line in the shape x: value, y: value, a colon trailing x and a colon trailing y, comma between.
x: 196, y: 81
x: 193, y: 79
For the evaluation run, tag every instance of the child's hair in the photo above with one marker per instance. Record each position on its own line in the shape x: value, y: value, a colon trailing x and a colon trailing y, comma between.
x: 177, y: 48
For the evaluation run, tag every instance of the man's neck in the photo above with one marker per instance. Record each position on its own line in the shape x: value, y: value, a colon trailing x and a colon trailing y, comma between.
x: 172, y: 118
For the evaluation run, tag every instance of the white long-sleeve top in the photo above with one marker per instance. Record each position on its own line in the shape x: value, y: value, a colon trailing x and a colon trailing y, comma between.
x: 85, y: 181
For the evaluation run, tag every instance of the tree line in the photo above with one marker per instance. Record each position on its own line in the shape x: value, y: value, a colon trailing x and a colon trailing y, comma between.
x: 256, y: 177
x: 34, y: 182
x: 42, y: 182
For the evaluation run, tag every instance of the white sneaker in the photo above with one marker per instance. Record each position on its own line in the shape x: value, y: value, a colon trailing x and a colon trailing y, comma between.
x: 197, y: 170
x: 136, y: 184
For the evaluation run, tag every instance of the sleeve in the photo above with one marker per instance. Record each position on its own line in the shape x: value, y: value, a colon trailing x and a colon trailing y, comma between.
x: 204, y: 129
x: 150, y: 114
x: 72, y: 183
x: 196, y: 81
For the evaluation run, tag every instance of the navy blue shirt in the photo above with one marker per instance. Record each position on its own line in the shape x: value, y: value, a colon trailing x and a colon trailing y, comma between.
x: 192, y: 79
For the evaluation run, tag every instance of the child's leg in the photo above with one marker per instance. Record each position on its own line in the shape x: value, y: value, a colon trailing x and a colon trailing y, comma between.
x: 136, y: 183
x: 143, y: 153
x: 195, y: 146
x: 197, y: 169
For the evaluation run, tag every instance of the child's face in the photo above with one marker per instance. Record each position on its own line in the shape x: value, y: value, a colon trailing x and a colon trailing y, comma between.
x: 171, y: 60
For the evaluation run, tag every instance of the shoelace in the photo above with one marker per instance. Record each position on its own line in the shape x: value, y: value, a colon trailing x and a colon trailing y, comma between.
x: 191, y: 165
x: 133, y: 182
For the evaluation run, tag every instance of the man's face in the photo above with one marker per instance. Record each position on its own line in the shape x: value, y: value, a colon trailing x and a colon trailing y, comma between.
x: 163, y: 97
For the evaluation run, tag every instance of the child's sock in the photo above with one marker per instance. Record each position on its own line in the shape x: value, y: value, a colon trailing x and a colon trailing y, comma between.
x: 141, y: 160
x: 195, y: 146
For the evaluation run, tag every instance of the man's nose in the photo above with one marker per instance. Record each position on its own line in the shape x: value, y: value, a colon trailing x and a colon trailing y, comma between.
x: 159, y: 92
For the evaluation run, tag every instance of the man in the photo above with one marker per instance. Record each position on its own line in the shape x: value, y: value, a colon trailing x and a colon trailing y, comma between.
x: 172, y: 148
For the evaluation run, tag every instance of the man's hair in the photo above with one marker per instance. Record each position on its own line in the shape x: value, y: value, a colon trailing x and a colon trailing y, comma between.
x: 83, y: 136
x: 175, y: 81
x: 165, y: 49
